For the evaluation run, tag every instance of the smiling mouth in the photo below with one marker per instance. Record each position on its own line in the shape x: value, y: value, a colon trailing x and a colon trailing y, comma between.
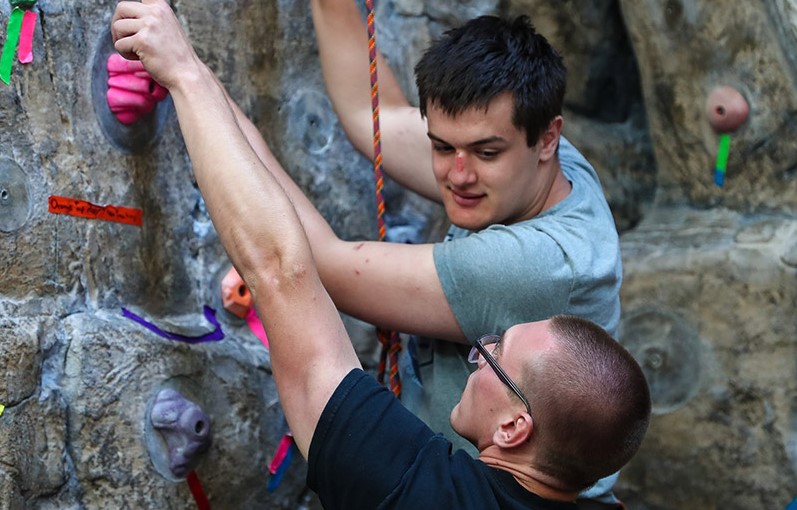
x: 467, y: 200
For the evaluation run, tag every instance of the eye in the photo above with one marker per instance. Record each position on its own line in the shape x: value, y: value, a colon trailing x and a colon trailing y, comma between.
x: 442, y: 148
x: 488, y: 154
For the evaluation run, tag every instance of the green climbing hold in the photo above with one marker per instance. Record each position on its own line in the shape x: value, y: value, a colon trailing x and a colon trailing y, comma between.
x: 23, y: 4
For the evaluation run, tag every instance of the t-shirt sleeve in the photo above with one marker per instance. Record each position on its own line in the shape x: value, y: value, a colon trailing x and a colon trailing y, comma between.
x: 502, y: 276
x: 365, y: 441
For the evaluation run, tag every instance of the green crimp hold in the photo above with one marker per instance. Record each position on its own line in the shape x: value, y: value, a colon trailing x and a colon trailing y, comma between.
x: 22, y: 4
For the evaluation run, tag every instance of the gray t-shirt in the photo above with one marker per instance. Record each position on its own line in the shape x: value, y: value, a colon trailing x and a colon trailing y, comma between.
x: 564, y: 261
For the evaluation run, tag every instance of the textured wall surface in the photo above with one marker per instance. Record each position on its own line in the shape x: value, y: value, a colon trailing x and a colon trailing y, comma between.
x: 710, y: 291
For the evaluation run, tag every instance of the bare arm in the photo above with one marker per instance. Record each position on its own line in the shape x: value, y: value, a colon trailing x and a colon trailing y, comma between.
x: 256, y: 222
x: 343, y: 49
x: 394, y: 286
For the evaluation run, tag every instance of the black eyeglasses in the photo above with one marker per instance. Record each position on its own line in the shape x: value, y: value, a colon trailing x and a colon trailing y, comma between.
x: 480, y: 349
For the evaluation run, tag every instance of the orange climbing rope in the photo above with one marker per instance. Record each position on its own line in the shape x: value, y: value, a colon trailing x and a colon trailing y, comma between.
x: 391, y: 343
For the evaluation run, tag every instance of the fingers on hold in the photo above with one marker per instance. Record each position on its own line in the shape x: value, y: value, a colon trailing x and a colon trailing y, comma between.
x: 120, y: 99
x: 119, y: 65
x: 130, y: 82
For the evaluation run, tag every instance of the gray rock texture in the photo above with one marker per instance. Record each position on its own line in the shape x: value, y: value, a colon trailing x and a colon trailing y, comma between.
x: 710, y: 287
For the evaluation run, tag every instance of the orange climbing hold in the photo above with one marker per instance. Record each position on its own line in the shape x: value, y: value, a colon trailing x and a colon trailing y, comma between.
x: 235, y: 296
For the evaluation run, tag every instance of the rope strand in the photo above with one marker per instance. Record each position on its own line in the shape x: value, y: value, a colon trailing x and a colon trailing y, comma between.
x: 391, y: 343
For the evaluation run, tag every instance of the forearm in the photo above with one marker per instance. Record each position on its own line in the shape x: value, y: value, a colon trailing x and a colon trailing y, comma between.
x: 264, y: 238
x: 254, y: 218
x: 238, y: 192
x: 318, y: 231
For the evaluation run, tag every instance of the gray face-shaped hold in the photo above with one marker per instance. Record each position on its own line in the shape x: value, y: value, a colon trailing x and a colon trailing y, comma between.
x: 184, y: 427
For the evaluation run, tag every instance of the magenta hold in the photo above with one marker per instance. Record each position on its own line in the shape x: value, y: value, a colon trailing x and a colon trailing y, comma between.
x: 132, y: 93
x: 726, y: 109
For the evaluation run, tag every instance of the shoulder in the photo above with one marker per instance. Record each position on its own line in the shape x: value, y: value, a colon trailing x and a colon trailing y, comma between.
x: 576, y: 167
x: 499, y: 240
x: 362, y: 425
x: 569, y: 155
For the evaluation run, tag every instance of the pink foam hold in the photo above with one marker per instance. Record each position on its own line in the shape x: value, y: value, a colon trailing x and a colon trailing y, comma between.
x: 256, y: 326
x: 122, y: 99
x: 126, y: 117
x: 130, y: 82
x: 118, y: 64
x: 132, y: 93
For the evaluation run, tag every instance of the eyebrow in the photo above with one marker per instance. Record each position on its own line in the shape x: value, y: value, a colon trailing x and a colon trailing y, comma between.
x: 477, y: 143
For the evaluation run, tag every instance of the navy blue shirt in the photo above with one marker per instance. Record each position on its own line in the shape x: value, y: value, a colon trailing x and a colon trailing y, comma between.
x: 369, y: 452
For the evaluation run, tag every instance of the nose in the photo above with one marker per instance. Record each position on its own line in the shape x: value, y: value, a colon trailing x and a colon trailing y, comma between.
x: 461, y: 174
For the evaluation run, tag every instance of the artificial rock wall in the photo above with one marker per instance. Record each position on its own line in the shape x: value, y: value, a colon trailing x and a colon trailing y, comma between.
x: 709, y: 297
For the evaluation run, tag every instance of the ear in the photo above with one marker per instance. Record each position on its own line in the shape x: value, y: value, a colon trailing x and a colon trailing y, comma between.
x: 514, y: 432
x: 550, y: 139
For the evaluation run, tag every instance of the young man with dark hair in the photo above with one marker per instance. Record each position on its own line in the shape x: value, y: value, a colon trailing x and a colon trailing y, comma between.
x: 364, y: 449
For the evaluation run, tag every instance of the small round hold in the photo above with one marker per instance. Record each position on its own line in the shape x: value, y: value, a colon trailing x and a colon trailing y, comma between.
x: 726, y: 109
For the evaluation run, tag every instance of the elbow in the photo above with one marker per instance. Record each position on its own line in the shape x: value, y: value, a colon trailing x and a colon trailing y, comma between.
x: 270, y: 265
x: 281, y: 274
x: 282, y: 278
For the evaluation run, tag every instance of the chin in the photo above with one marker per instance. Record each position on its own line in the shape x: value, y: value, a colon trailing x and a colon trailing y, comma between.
x: 464, y: 218
x: 467, y: 223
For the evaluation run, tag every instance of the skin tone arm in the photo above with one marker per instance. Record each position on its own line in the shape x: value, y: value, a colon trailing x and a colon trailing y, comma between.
x: 343, y: 49
x: 394, y: 286
x: 255, y: 220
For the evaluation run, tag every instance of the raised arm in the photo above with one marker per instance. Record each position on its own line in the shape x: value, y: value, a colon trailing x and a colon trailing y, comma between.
x: 343, y: 49
x: 394, y: 286
x: 255, y: 220
x: 390, y: 285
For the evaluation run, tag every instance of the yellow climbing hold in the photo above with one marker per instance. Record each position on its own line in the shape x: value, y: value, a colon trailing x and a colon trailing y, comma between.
x: 2, y: 408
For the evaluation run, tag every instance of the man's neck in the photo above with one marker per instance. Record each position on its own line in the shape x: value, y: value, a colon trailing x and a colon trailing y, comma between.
x: 528, y: 477
x: 550, y: 191
x: 560, y: 187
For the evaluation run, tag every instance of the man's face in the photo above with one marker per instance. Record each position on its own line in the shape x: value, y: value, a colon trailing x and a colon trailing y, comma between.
x: 485, y: 171
x: 486, y: 401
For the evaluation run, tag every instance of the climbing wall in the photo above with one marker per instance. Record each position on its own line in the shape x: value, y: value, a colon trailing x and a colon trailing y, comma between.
x: 710, y: 292
x: 109, y: 260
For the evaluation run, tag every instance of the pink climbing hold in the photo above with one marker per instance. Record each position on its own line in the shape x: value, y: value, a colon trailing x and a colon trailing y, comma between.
x: 726, y: 109
x: 132, y: 93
